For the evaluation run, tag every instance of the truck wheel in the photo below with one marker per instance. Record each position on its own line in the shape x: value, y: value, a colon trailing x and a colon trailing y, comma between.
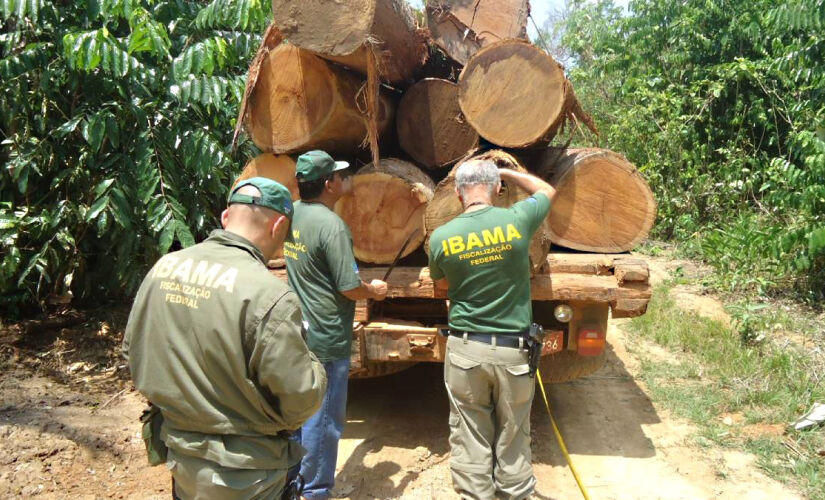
x: 567, y: 365
x: 379, y: 369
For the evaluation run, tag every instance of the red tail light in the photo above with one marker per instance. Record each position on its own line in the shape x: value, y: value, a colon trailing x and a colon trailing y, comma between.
x: 590, y: 342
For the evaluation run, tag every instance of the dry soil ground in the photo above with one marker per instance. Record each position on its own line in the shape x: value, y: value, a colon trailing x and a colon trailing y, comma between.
x: 68, y: 428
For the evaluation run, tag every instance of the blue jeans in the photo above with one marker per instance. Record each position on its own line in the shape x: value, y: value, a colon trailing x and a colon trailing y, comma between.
x: 320, y: 434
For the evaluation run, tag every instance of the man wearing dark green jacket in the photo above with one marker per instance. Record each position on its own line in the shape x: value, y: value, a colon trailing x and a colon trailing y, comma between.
x: 214, y: 341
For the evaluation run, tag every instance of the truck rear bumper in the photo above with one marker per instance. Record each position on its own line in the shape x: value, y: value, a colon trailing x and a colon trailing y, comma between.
x: 382, y: 342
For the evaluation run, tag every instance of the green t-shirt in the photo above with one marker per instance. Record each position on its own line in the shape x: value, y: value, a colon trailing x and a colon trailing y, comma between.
x: 320, y: 264
x: 485, y: 257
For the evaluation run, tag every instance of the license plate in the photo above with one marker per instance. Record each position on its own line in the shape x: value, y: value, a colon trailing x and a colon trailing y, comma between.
x: 553, y: 342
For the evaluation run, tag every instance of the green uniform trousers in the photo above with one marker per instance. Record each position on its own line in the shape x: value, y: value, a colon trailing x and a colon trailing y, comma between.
x: 490, y: 395
x: 200, y: 479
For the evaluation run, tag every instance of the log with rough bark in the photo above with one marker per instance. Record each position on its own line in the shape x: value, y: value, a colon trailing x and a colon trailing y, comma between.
x: 386, y: 205
x: 280, y: 168
x: 445, y: 205
x: 343, y: 32
x: 431, y: 127
x: 302, y: 102
x: 462, y: 27
x: 516, y: 95
x: 602, y: 204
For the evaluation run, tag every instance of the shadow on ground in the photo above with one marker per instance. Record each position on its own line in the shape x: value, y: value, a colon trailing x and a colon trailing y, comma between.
x: 603, y: 414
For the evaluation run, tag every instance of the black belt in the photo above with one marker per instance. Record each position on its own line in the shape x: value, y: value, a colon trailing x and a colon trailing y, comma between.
x: 515, y: 340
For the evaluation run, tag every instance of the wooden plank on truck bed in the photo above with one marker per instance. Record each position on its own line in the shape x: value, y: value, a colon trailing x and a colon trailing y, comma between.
x: 629, y: 269
x: 580, y: 263
x: 397, y: 340
x: 415, y: 282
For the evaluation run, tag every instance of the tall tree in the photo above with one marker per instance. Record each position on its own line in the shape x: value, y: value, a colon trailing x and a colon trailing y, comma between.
x: 720, y: 103
x: 116, y: 119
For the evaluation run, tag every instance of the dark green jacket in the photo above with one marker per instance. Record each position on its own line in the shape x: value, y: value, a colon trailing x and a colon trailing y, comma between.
x: 214, y: 340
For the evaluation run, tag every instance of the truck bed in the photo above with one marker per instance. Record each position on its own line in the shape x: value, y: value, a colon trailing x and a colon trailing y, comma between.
x: 620, y: 280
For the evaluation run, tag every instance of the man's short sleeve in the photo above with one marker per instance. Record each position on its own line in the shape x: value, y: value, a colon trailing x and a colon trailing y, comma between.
x: 341, y: 260
x: 532, y: 210
x: 436, y: 273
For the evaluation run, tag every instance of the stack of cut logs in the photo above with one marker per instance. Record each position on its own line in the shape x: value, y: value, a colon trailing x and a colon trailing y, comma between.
x: 405, y: 104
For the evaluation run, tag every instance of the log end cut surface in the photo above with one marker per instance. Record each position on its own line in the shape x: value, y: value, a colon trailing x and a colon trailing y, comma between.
x: 431, y: 126
x: 279, y: 168
x: 603, y: 204
x: 293, y: 98
x: 512, y: 93
x: 385, y: 206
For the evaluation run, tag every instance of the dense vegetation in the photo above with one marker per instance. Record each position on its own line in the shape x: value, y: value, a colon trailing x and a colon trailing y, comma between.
x: 722, y: 104
x: 116, y: 119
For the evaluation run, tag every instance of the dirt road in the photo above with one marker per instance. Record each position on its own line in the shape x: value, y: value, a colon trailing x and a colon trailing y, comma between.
x: 77, y: 437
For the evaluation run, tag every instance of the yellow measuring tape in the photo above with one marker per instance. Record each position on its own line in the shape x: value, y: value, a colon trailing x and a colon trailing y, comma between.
x: 560, y: 439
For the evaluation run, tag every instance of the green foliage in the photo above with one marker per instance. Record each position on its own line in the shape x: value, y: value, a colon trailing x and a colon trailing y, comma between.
x: 762, y: 374
x: 116, y: 118
x: 721, y: 103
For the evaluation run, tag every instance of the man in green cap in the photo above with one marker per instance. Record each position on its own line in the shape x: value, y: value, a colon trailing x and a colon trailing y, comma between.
x: 214, y: 341
x: 322, y: 270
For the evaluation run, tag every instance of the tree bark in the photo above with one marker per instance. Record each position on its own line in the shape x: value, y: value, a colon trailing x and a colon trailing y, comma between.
x: 279, y: 168
x: 431, y: 127
x: 386, y: 205
x: 445, y: 206
x: 343, y: 32
x: 300, y: 102
x: 463, y: 27
x: 602, y: 204
x: 515, y: 95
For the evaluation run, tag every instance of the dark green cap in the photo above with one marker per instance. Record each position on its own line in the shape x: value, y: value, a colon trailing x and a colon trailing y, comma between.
x: 315, y: 164
x: 273, y: 195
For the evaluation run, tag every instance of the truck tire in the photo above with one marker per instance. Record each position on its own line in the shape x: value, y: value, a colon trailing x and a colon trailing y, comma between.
x: 567, y: 365
x: 379, y: 369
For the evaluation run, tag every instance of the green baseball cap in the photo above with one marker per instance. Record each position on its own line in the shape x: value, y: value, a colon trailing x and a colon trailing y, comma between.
x: 273, y: 195
x: 315, y: 164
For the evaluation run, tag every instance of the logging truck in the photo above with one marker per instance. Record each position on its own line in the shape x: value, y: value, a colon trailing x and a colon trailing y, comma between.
x: 573, y: 295
x: 339, y: 75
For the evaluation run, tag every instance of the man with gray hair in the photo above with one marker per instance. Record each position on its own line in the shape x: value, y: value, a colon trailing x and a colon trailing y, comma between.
x: 481, y: 258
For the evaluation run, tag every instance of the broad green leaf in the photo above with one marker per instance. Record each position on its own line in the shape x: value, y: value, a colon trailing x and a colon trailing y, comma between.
x: 102, y: 223
x: 69, y: 126
x: 102, y: 187
x: 167, y: 236
x: 98, y: 206
x: 94, y: 129
x: 184, y: 235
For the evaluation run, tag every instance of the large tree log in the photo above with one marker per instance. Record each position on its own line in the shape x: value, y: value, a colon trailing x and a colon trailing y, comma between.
x: 386, y: 204
x: 343, y: 32
x: 515, y: 94
x: 431, y: 127
x: 602, y: 204
x: 280, y: 168
x: 462, y: 27
x: 301, y: 102
x: 445, y: 206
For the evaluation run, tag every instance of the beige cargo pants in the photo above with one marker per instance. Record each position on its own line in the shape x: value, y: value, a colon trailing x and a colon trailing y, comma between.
x: 200, y: 479
x: 490, y: 395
